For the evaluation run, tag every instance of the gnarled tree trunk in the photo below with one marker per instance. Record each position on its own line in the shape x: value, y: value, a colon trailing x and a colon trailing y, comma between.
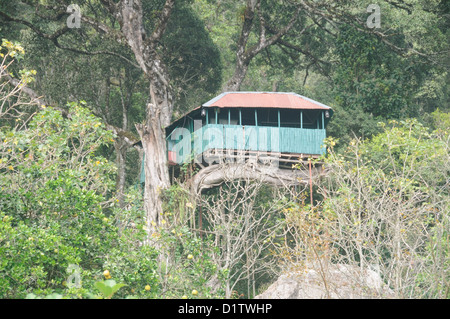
x: 158, y: 113
x: 217, y: 174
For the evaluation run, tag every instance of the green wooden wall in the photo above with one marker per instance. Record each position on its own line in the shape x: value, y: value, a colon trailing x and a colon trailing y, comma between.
x: 252, y: 138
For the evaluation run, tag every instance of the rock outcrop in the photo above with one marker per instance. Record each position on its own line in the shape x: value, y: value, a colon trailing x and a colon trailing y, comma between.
x: 337, y: 281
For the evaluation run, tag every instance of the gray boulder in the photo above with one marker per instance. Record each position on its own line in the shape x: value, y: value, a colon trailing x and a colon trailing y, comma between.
x: 332, y: 281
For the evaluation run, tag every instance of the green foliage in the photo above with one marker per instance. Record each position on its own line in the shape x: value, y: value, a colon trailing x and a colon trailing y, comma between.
x: 192, y: 58
x: 11, y: 49
x: 52, y: 167
x: 190, y: 264
x: 53, y: 186
x: 386, y: 203
x: 189, y: 256
x: 32, y: 257
x: 108, y: 287
x: 131, y: 261
x: 57, y: 203
x: 58, y: 209
x: 371, y: 77
x: 177, y: 204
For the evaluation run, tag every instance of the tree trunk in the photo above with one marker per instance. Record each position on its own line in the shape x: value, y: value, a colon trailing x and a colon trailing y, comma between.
x: 159, y: 111
x: 242, y: 61
x: 153, y: 138
x: 217, y: 174
x: 240, y: 71
x: 121, y: 151
x: 155, y: 168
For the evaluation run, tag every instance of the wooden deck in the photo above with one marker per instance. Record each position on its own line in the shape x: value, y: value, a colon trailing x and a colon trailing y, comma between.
x: 282, y: 160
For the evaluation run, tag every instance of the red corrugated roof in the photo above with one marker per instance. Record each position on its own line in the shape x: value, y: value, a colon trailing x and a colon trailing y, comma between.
x: 265, y: 99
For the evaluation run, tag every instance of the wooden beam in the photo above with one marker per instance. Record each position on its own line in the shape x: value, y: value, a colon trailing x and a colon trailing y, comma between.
x: 323, y: 120
x: 310, y: 184
x: 256, y: 124
x: 301, y: 119
x: 279, y: 121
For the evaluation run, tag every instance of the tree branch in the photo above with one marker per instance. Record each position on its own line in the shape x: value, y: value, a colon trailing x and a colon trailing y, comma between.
x: 30, y: 25
x: 163, y: 20
x: 58, y: 45
x: 264, y: 43
x: 57, y: 34
x: 127, y: 137
x: 16, y: 82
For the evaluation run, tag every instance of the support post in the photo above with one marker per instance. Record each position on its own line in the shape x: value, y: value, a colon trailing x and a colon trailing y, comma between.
x: 301, y: 119
x: 323, y: 120
x: 310, y: 183
x: 256, y: 124
x: 279, y: 121
x: 200, y: 218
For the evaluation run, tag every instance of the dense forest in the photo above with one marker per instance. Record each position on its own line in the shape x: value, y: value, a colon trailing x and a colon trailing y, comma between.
x: 87, y: 88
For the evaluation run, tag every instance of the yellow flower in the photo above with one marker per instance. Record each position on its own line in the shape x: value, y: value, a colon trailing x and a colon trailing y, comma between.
x: 188, y: 204
x: 10, y: 168
x: 147, y: 287
x: 107, y: 274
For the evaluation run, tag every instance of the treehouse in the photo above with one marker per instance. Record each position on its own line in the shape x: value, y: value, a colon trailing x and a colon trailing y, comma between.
x: 236, y: 128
